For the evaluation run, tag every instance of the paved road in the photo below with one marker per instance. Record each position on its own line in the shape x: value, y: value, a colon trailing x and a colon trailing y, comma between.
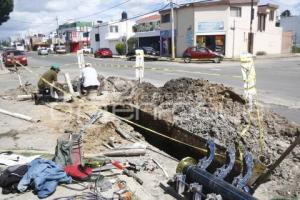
x: 277, y: 79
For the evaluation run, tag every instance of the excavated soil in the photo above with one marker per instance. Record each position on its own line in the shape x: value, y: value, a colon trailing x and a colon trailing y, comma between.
x: 215, y: 111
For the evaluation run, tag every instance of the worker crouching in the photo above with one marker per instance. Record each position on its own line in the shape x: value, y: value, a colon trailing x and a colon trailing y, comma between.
x: 49, y: 90
x: 89, y: 81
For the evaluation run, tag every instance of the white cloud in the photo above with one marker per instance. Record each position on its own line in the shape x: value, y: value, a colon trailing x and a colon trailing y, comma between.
x: 39, y: 15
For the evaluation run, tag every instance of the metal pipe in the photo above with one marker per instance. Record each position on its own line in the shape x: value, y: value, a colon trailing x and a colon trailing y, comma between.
x: 214, y: 184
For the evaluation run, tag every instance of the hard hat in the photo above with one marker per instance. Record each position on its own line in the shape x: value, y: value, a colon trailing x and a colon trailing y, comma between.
x: 55, y: 66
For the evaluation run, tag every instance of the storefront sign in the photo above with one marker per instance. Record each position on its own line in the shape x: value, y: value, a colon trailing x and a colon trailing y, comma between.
x: 206, y: 27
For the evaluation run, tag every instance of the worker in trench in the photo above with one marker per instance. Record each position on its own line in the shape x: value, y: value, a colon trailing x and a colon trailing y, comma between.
x: 48, y: 88
x: 89, y: 80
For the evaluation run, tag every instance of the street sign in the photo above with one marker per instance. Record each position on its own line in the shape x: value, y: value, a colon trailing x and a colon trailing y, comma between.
x: 139, y: 64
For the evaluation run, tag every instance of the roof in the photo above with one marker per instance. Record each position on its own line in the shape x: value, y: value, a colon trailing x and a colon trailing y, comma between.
x: 262, y: 9
x: 206, y: 3
x: 150, y: 18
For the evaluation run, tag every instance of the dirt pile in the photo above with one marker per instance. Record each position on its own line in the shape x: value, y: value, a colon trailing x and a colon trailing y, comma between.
x: 215, y: 111
x: 27, y: 88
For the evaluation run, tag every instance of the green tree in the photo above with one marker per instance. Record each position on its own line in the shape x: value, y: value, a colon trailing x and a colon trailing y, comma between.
x: 286, y: 13
x: 6, y: 7
x: 121, y: 48
x: 132, y: 43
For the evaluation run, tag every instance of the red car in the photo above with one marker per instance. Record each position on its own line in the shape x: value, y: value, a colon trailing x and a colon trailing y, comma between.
x: 201, y: 53
x: 14, y: 55
x: 103, y: 53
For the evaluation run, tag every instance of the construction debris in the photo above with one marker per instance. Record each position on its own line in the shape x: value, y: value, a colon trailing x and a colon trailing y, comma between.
x: 18, y: 115
x: 198, y: 106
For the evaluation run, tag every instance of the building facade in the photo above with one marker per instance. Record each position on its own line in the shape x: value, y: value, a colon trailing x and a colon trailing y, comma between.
x: 108, y: 34
x: 222, y: 26
x: 147, y: 31
x: 76, y: 34
x: 292, y: 24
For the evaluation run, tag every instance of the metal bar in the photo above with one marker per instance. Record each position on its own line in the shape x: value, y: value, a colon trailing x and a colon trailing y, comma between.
x: 215, y: 185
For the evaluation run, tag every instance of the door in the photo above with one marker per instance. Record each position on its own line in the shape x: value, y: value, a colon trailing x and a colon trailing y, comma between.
x: 202, y: 53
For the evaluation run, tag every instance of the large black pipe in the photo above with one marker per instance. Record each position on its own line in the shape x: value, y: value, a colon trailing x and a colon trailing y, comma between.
x: 214, y: 184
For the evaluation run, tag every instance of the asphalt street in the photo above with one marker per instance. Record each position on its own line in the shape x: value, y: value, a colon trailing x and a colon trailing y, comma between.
x: 277, y: 79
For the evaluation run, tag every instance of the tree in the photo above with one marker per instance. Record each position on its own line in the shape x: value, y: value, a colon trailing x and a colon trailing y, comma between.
x: 121, y: 48
x: 6, y: 7
x: 286, y: 13
x: 132, y: 43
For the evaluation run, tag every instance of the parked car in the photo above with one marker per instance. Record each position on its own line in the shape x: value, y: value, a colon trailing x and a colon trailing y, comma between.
x: 103, y: 53
x: 87, y: 50
x: 43, y: 51
x: 18, y: 56
x: 5, y: 51
x: 60, y: 49
x: 149, y: 53
x: 201, y: 53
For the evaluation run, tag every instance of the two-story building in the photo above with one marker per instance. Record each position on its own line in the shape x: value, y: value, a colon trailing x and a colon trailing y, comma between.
x: 147, y: 31
x: 108, y: 34
x: 222, y: 26
x: 76, y: 35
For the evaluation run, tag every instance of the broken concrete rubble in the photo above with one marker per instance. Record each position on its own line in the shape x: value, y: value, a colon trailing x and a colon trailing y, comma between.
x: 203, y: 108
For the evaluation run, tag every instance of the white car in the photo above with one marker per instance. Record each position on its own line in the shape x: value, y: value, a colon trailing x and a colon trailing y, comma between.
x: 86, y: 50
x: 61, y: 49
x: 43, y: 51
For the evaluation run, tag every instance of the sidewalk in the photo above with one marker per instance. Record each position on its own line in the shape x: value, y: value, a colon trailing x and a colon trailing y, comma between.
x: 290, y: 55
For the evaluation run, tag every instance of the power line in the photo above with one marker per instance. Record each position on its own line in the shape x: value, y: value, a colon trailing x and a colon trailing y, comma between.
x: 137, y: 16
x: 102, y: 11
x: 93, y: 14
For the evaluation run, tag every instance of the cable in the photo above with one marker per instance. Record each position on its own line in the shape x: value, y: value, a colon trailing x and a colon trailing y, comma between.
x: 102, y: 11
x: 137, y: 16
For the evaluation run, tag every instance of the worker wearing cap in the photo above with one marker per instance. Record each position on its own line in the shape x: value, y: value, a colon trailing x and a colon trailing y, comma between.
x: 249, y: 77
x: 49, y: 76
x: 89, y: 78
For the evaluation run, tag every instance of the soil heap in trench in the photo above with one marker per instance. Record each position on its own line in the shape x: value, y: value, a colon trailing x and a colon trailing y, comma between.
x: 215, y: 111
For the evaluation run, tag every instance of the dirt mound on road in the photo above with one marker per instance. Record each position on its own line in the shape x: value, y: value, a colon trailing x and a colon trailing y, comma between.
x: 215, y: 111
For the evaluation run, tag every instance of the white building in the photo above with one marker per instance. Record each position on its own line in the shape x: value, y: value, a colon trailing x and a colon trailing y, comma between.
x: 224, y: 26
x: 292, y: 24
x: 108, y: 34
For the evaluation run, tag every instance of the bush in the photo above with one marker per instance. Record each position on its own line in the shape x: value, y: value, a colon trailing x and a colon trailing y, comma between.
x: 132, y: 43
x: 296, y: 49
x: 121, y: 48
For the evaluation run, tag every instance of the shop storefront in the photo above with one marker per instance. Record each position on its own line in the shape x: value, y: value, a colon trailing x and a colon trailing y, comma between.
x: 211, y: 35
x: 166, y: 42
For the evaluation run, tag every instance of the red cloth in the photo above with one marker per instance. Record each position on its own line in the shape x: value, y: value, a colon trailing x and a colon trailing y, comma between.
x: 78, y: 172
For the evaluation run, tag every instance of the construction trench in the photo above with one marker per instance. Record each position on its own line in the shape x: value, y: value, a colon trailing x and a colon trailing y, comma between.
x: 188, y: 118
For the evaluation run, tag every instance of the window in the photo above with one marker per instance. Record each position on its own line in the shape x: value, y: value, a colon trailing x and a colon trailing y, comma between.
x: 114, y: 29
x: 97, y: 37
x: 271, y: 16
x: 235, y: 12
x: 261, y: 23
x: 202, y: 50
x: 165, y: 18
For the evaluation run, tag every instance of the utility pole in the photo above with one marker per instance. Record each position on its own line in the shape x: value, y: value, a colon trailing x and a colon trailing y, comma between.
x: 233, y: 42
x: 251, y: 36
x: 57, y: 31
x: 172, y: 29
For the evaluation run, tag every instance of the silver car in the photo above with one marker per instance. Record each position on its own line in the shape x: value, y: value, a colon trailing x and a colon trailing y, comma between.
x: 43, y: 51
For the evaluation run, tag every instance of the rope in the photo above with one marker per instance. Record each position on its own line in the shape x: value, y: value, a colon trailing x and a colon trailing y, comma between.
x: 51, y: 84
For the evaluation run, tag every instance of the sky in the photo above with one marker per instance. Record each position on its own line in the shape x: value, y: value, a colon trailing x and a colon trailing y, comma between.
x: 39, y: 16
